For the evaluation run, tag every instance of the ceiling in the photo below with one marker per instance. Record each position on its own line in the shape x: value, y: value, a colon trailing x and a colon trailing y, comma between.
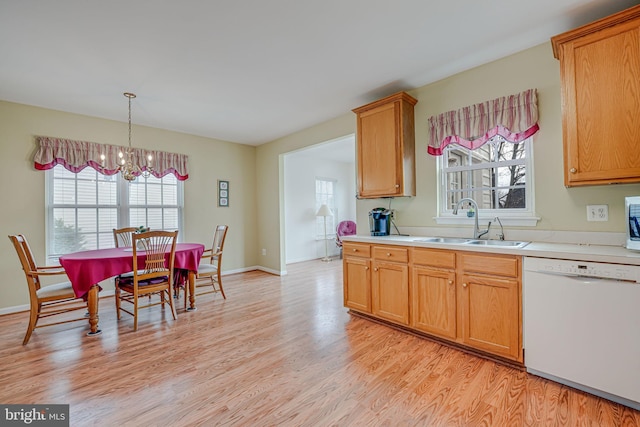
x: 251, y: 71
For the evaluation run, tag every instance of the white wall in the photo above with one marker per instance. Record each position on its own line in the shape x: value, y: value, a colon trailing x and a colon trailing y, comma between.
x: 300, y: 172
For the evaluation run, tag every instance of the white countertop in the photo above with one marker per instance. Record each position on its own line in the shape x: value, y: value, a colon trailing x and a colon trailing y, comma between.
x: 578, y: 252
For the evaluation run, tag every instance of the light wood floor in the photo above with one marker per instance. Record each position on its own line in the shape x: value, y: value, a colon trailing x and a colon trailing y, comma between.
x: 280, y: 351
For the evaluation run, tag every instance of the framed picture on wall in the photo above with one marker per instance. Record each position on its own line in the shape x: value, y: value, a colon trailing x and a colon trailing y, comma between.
x: 223, y: 193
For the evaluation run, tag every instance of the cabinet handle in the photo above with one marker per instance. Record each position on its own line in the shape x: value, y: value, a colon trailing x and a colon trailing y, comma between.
x: 366, y: 268
x: 355, y: 250
x: 388, y: 254
x: 451, y: 282
x: 375, y: 269
x: 573, y: 170
x: 397, y: 185
x: 464, y: 285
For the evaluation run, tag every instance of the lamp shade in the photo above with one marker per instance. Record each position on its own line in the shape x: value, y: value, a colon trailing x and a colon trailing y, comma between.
x: 324, y: 211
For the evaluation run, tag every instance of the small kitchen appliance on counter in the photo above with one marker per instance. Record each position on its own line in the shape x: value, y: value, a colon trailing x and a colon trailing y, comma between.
x: 632, y: 212
x: 380, y: 221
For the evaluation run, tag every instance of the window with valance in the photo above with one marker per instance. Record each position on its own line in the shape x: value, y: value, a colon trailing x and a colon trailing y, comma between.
x: 484, y: 153
x: 77, y: 155
x: 86, y: 199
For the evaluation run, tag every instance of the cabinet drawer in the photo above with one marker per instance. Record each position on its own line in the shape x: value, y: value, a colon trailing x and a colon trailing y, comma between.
x: 387, y: 253
x: 356, y: 249
x: 434, y: 258
x: 497, y: 265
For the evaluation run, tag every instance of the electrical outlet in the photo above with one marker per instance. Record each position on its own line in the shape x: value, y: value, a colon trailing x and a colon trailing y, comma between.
x: 264, y: 252
x: 597, y: 212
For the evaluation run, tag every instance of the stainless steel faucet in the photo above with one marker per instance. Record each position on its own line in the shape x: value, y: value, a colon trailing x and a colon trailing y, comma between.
x: 476, y: 230
x: 501, y: 235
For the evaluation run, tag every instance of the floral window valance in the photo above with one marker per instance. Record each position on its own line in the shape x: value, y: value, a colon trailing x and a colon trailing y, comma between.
x: 514, y: 117
x: 77, y: 155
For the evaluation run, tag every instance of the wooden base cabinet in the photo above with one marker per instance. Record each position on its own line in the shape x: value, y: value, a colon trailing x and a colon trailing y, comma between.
x: 434, y: 301
x: 433, y: 290
x: 489, y: 315
x: 471, y: 298
x: 390, y: 291
x: 356, y: 270
x: 390, y: 283
x: 490, y: 303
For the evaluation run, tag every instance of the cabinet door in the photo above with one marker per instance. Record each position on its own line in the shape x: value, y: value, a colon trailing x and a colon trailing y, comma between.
x: 357, y: 283
x: 490, y: 315
x: 379, y: 171
x: 433, y: 308
x: 601, y: 103
x: 390, y: 291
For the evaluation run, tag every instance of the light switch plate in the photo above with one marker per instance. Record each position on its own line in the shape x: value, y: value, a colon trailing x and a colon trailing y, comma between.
x: 597, y: 212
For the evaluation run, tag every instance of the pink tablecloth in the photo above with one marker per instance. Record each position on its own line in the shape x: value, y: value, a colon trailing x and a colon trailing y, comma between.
x: 88, y: 268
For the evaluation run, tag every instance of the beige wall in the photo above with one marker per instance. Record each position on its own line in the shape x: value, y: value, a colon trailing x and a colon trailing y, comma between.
x: 558, y: 207
x: 22, y: 189
x: 270, y: 187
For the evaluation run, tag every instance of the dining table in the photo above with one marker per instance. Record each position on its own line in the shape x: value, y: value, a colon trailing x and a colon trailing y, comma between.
x: 86, y: 269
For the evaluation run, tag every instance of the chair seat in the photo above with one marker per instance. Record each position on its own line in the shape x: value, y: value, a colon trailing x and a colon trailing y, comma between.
x: 207, y: 269
x: 63, y: 289
x: 128, y: 281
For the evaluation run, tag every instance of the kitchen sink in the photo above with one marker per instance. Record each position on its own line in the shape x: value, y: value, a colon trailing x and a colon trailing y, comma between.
x: 499, y: 243
x: 462, y: 241
x: 442, y: 240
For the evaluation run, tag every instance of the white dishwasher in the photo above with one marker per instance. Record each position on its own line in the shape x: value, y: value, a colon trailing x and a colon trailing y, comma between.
x: 581, y: 326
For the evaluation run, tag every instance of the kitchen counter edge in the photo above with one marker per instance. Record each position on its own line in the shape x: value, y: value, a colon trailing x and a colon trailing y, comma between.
x: 569, y: 251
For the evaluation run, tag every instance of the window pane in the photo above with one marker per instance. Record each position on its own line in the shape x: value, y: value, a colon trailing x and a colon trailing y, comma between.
x: 170, y: 194
x: 64, y: 192
x: 136, y: 193
x: 107, y: 193
x: 66, y: 239
x: 87, y: 193
x: 511, y: 175
x: 171, y: 219
x: 155, y: 219
x: 107, y: 219
x: 154, y: 194
x: 509, y: 151
x: 494, y: 175
x: 137, y: 217
x: 87, y: 220
x: 512, y: 198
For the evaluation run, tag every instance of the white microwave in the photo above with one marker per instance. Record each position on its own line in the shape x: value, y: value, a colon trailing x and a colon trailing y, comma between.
x: 632, y: 213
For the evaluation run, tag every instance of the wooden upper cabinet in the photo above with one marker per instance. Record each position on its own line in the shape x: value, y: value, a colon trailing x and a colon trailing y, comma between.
x: 600, y: 77
x: 386, y: 147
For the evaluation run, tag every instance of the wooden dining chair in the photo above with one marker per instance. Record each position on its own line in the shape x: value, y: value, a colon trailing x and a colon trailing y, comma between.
x: 49, y: 300
x: 209, y: 270
x: 123, y: 236
x: 154, y: 276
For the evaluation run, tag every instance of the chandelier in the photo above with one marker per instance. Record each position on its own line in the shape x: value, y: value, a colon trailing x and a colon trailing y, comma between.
x: 126, y: 164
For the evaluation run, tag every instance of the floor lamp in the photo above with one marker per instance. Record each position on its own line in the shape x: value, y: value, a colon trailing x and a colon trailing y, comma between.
x: 324, y: 211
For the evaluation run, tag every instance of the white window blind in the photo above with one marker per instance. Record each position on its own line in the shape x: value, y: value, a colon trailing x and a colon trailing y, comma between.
x: 83, y: 208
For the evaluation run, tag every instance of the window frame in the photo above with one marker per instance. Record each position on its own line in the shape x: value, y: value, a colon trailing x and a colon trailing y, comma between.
x: 122, y: 206
x: 510, y: 216
x: 330, y: 200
